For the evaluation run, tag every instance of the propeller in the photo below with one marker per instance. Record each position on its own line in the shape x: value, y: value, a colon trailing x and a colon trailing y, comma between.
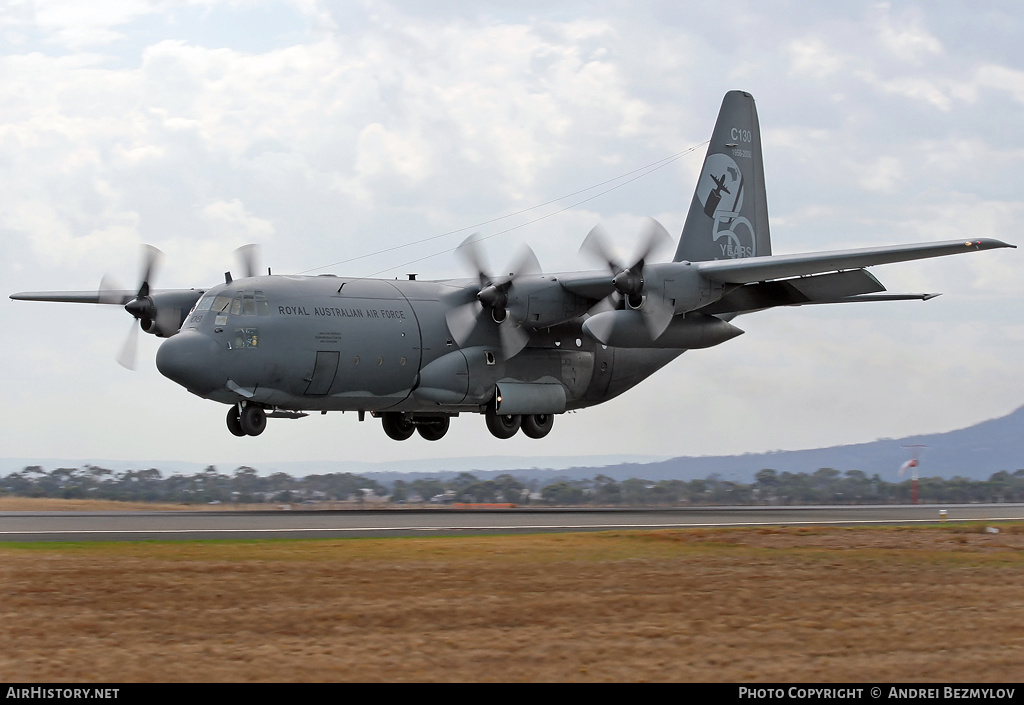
x: 141, y: 306
x: 628, y: 280
x: 490, y: 303
x: 163, y: 319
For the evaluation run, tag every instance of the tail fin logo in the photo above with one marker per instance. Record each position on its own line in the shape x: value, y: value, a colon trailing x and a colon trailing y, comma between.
x: 720, y: 192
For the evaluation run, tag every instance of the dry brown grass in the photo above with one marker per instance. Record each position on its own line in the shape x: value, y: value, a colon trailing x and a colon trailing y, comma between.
x: 840, y: 605
x: 47, y: 504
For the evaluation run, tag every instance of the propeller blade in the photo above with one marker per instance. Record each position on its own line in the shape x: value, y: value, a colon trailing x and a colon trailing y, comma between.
x: 129, y: 349
x: 110, y: 292
x: 514, y: 337
x: 525, y: 264
x: 248, y: 256
x: 596, y: 245
x: 469, y: 252
x: 463, y: 320
x: 608, y: 303
x: 151, y: 258
x: 657, y: 314
x: 653, y: 238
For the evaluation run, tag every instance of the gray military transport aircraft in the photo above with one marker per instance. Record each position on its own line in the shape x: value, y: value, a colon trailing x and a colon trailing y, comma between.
x: 518, y: 349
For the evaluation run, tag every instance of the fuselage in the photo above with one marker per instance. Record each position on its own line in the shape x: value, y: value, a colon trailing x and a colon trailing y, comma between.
x: 328, y: 343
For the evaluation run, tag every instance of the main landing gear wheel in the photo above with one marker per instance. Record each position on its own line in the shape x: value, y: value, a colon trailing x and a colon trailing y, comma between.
x: 398, y: 426
x: 434, y: 429
x: 235, y: 421
x: 538, y: 425
x: 253, y: 420
x: 502, y: 425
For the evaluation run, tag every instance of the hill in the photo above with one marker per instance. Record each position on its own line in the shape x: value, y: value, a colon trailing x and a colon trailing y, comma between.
x: 975, y: 452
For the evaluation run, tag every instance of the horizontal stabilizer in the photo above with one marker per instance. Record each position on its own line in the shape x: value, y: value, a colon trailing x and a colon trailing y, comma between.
x: 882, y: 297
x: 820, y: 288
x: 759, y: 269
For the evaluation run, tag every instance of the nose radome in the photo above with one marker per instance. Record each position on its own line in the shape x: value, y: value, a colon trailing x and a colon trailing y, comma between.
x: 190, y: 359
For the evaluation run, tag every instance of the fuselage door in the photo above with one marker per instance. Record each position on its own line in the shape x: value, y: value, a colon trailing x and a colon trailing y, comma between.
x: 323, y: 373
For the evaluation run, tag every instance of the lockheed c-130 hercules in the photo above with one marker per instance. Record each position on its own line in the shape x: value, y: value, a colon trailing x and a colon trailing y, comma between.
x: 520, y: 349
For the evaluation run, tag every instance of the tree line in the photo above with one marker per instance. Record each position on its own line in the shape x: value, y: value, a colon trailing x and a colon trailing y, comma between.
x: 246, y: 486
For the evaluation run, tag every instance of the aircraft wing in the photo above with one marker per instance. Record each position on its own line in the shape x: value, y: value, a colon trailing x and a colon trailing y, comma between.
x: 759, y: 269
x: 119, y: 297
x: 78, y: 297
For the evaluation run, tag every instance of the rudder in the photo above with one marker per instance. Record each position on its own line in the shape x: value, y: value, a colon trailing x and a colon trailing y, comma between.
x: 728, y: 215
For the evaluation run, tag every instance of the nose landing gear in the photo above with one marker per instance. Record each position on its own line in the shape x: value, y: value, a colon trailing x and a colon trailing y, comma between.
x: 250, y: 420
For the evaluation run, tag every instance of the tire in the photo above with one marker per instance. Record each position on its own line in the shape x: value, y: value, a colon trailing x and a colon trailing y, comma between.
x: 398, y: 426
x: 503, y: 425
x: 434, y: 429
x: 235, y: 422
x: 253, y: 420
x: 538, y: 425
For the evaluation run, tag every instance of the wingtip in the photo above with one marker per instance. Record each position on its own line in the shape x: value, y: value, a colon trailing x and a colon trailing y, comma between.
x: 987, y: 243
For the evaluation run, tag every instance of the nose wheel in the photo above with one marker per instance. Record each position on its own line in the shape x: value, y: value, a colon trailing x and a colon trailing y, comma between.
x: 251, y: 420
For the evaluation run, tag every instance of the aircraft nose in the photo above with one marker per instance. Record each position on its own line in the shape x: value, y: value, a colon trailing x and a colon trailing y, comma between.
x: 190, y: 359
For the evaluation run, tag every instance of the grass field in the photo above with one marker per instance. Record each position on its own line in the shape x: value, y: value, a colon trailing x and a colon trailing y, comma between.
x: 942, y: 603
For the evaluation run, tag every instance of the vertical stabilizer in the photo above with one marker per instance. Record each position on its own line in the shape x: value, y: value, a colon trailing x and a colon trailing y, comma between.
x: 728, y: 216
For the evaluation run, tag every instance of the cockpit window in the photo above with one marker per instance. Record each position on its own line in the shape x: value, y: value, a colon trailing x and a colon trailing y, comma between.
x: 245, y: 303
x: 262, y: 307
x: 221, y: 304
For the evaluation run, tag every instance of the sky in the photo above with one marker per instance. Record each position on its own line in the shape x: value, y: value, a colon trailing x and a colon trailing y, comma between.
x: 330, y: 131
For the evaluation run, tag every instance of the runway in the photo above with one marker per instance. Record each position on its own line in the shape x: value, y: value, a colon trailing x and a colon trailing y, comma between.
x: 185, y: 525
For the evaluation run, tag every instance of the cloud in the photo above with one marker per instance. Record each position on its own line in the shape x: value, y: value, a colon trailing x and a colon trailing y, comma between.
x: 1002, y: 78
x: 812, y: 57
x: 233, y: 216
x: 904, y: 37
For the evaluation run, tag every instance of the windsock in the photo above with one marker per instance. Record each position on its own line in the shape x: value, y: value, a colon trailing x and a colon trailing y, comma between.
x: 912, y: 463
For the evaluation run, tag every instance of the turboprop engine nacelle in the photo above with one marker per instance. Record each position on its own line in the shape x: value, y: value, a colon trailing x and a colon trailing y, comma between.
x: 163, y: 313
x: 681, y: 286
x: 627, y: 329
